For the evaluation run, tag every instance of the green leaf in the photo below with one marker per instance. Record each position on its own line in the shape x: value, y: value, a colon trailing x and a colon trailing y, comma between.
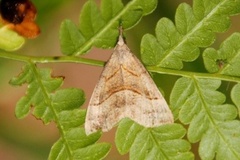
x: 235, y: 95
x: 40, y: 94
x: 194, y: 101
x: 210, y: 136
x: 90, y: 21
x: 100, y: 27
x: 126, y: 132
x: 97, y: 151
x: 77, y: 138
x: 134, y: 15
x: 73, y: 141
x: 202, y: 8
x: 201, y: 106
x: 59, y: 151
x: 76, y: 145
x: 61, y: 106
x: 41, y: 85
x: 150, y: 44
x: 70, y: 37
x: 72, y: 118
x: 227, y: 147
x: 10, y: 40
x: 162, y: 142
x: 73, y: 100
x: 195, y: 27
x: 110, y: 8
x: 226, y: 59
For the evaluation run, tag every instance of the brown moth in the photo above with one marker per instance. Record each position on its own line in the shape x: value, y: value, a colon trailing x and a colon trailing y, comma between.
x: 125, y: 89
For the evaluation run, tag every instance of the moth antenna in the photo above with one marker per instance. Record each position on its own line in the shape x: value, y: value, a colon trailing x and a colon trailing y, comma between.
x: 120, y: 38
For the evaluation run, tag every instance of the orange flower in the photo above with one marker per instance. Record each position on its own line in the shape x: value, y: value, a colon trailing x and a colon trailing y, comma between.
x: 19, y: 15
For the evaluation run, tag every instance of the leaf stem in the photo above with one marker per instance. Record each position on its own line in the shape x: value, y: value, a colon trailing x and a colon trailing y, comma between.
x: 193, y: 74
x: 72, y: 59
x: 47, y: 59
x: 48, y: 101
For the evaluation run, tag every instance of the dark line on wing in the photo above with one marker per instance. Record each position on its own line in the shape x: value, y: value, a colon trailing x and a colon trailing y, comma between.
x: 118, y: 89
x: 107, y: 78
x: 129, y: 71
x: 124, y: 68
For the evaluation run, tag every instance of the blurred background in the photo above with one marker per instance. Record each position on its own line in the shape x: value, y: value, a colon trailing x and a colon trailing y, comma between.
x: 29, y: 138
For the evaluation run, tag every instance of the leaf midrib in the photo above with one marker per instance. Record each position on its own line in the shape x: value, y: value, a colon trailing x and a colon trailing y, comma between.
x: 49, y: 102
x: 184, y: 39
x: 213, y: 122
x: 107, y: 26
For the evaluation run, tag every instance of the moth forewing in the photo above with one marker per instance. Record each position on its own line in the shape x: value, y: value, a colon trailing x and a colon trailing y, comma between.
x: 125, y: 89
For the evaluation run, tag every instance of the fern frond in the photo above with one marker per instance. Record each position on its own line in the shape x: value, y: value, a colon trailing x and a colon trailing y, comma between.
x: 100, y: 28
x: 226, y: 59
x: 164, y: 142
x: 201, y: 106
x: 194, y: 28
x: 235, y: 95
x: 51, y: 104
x: 194, y: 101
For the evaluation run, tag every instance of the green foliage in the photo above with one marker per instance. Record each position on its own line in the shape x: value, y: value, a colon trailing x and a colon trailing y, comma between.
x: 195, y: 100
x: 201, y: 106
x: 100, y: 28
x: 226, y: 59
x: 162, y: 142
x: 194, y: 28
x: 41, y: 85
x: 10, y: 40
x: 235, y: 96
x: 52, y: 104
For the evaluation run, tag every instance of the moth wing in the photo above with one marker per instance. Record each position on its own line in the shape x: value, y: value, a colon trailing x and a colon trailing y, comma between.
x: 101, y: 113
x: 143, y: 101
x: 125, y: 89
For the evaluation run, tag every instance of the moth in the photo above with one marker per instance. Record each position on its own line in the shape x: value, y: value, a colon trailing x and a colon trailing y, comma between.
x: 125, y: 89
x: 19, y: 15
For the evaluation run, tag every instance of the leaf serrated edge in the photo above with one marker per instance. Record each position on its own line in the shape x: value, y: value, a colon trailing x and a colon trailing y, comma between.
x: 102, y: 31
